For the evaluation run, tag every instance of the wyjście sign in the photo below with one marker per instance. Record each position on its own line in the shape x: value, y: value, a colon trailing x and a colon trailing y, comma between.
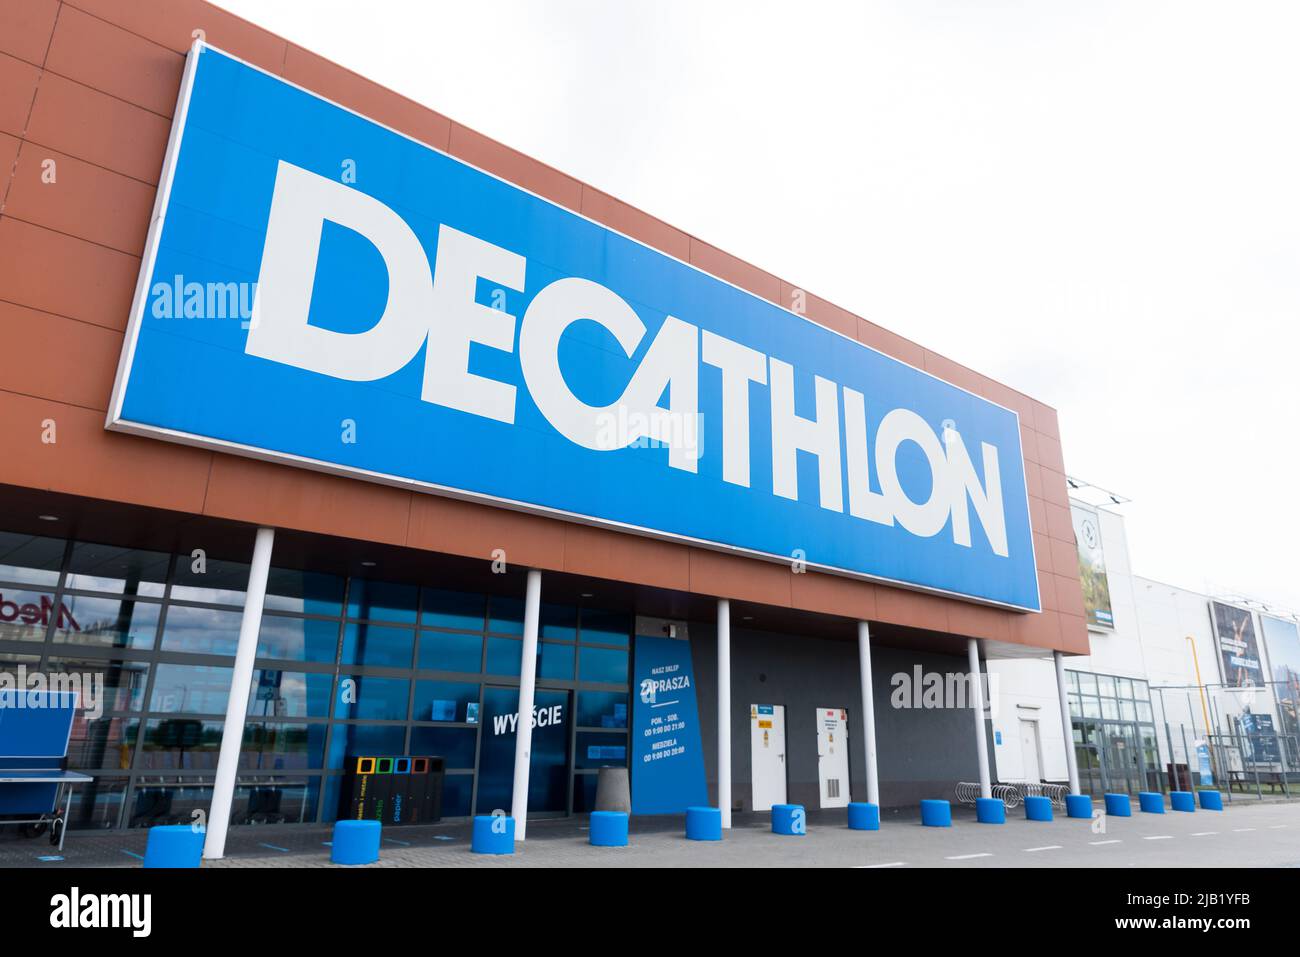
x: 416, y: 321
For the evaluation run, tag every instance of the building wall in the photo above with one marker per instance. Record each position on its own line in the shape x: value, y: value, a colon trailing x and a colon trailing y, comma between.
x: 90, y: 85
x: 921, y: 753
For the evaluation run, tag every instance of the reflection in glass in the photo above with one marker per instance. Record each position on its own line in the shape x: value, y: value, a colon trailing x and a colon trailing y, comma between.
x: 504, y: 656
x: 382, y: 699
x: 122, y: 682
x: 197, y: 689
x: 453, y: 609
x: 25, y: 614
x: 602, y: 709
x: 605, y: 627
x: 201, y: 631
x: 448, y: 651
x: 304, y: 593
x: 298, y: 639
x: 361, y: 740
x: 365, y: 644
x: 30, y: 559
x: 108, y: 622
x: 209, y: 580
x: 603, y: 664
x: 555, y: 661
x: 103, y: 743
x: 130, y: 571
x: 382, y: 601
x: 444, y: 700
x: 290, y: 694
x: 186, y: 744
x: 453, y: 745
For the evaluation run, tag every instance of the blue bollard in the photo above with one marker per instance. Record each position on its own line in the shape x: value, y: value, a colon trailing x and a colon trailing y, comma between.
x: 1211, y: 800
x: 703, y: 824
x: 1151, y: 802
x: 608, y: 829
x: 174, y: 845
x: 936, y: 813
x: 1182, y: 801
x: 493, y: 834
x: 355, y: 842
x: 1119, y: 805
x: 990, y: 811
x: 1078, y: 805
x: 1038, y: 809
x: 789, y: 819
x: 864, y: 816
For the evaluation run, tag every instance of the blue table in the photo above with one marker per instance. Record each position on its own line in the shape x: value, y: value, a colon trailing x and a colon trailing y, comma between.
x: 29, y: 786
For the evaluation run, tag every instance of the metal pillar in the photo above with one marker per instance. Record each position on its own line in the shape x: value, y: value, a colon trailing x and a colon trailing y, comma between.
x: 1067, y: 727
x: 241, y: 684
x: 977, y: 706
x: 868, y: 712
x: 724, y: 710
x: 527, y: 683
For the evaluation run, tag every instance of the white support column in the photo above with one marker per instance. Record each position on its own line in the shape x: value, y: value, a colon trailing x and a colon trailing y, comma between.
x: 868, y: 712
x: 1067, y: 729
x: 977, y: 692
x: 241, y: 685
x: 527, y: 683
x: 724, y: 710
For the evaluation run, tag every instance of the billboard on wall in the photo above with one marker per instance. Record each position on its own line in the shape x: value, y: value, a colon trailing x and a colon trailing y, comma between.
x: 1282, y: 639
x: 1092, y: 566
x: 322, y: 291
x: 1239, y: 659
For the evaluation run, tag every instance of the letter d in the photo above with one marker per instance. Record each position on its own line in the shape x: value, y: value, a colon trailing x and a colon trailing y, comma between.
x: 279, y: 331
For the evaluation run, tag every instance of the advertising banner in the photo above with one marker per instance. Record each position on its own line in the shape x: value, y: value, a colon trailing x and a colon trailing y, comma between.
x: 1092, y: 566
x: 667, y: 758
x: 321, y: 291
x: 1282, y: 640
x: 1238, y: 650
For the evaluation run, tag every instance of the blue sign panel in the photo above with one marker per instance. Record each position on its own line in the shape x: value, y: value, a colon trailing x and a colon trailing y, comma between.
x: 667, y: 761
x: 323, y: 291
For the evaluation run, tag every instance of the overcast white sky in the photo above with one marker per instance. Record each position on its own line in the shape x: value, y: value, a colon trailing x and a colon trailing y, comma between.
x: 1096, y: 203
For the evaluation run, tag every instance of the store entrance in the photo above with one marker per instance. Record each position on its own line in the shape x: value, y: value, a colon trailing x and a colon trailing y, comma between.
x: 548, y: 775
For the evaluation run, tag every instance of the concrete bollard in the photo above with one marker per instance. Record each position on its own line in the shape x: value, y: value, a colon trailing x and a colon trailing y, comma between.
x: 789, y: 819
x: 355, y: 842
x: 936, y: 813
x: 174, y: 845
x: 1151, y: 802
x: 864, y: 816
x: 608, y: 829
x: 1038, y: 808
x: 613, y: 792
x: 1119, y: 805
x: 493, y: 834
x: 1078, y: 805
x: 990, y: 811
x: 703, y: 824
x: 1182, y: 801
x: 1211, y: 800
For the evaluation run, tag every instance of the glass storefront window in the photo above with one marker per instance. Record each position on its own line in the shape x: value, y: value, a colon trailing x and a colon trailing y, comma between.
x: 108, y: 622
x: 453, y: 609
x: 1091, y: 707
x: 506, y: 615
x: 504, y: 656
x: 456, y: 794
x: 1124, y: 687
x: 607, y: 665
x: 1109, y: 708
x: 103, y: 743
x: 384, y: 699
x: 383, y: 601
x: 449, y: 651
x: 24, y: 614
x: 196, y: 689
x: 209, y: 580
x: 121, y: 682
x: 180, y: 744
x: 108, y: 568
x: 1106, y: 686
x: 201, y: 631
x: 596, y: 750
x: 559, y: 622
x: 602, y: 709
x: 98, y: 803
x: 288, y: 800
x: 304, y: 593
x: 30, y: 559
x: 1087, y: 683
x: 454, y: 745
x: 605, y: 627
x: 298, y: 639
x: 555, y: 661
x: 444, y: 701
x: 361, y: 740
x: 168, y: 800
x: 290, y: 694
x: 365, y: 644
x: 270, y: 746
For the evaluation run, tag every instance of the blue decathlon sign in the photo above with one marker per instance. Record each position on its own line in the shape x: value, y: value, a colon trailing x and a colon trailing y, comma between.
x: 667, y: 758
x: 321, y: 290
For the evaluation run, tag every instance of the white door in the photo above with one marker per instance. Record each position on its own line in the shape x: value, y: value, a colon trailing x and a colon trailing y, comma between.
x: 1029, y: 750
x: 833, y: 756
x: 767, y: 754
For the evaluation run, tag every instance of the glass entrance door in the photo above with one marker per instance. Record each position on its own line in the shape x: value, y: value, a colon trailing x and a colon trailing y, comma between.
x: 548, y: 774
x: 1124, y: 765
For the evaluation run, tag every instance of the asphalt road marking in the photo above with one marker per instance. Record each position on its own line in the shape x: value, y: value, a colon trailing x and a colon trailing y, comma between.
x: 1276, y: 827
x: 1241, y: 830
x: 890, y: 864
x: 1204, y: 833
x: 967, y: 857
x: 1159, y: 837
x: 1045, y: 847
x: 1113, y: 840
